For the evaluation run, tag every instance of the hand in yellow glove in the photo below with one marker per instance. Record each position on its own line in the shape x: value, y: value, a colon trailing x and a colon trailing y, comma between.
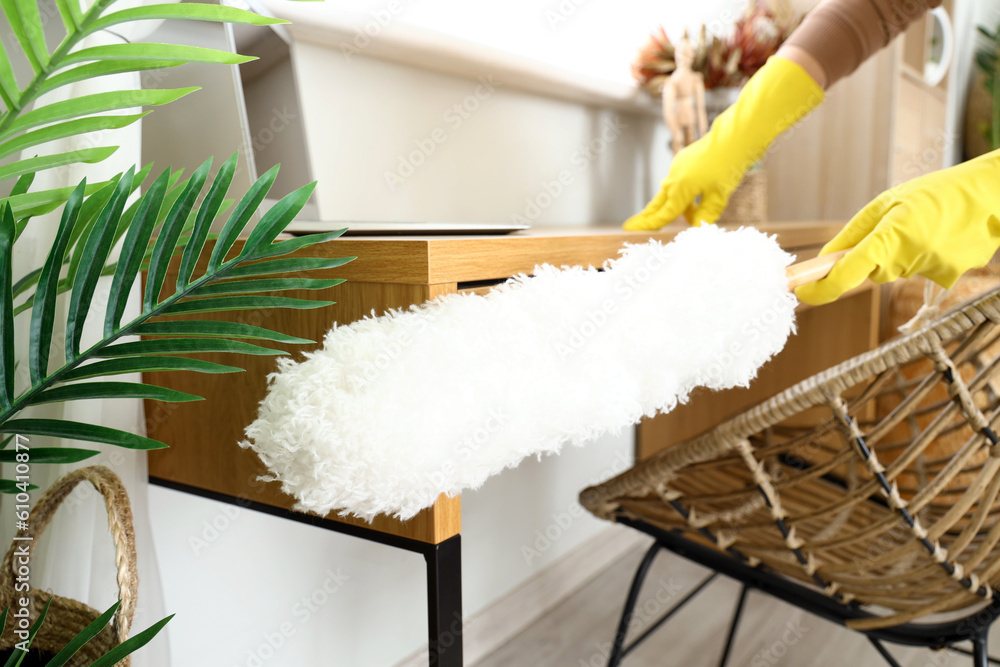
x: 938, y: 226
x: 774, y: 99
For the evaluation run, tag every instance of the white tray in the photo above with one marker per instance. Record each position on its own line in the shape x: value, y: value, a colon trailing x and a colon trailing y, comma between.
x: 403, y: 228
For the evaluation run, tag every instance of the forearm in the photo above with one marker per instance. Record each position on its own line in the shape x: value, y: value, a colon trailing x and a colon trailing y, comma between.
x: 838, y: 35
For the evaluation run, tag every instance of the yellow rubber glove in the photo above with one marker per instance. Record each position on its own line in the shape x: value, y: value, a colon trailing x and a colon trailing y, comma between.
x: 773, y: 100
x: 938, y: 226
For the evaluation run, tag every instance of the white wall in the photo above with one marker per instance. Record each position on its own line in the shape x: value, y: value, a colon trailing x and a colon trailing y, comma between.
x: 397, y: 143
x: 596, y: 37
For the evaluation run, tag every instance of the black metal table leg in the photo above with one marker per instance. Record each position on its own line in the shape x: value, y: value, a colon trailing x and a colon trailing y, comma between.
x: 444, y: 602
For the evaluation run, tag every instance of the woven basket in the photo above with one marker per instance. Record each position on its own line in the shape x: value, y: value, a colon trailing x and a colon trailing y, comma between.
x: 66, y: 617
x: 821, y: 485
x: 748, y: 203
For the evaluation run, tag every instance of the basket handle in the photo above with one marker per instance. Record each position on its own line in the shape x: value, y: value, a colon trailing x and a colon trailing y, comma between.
x: 119, y: 523
x: 812, y: 270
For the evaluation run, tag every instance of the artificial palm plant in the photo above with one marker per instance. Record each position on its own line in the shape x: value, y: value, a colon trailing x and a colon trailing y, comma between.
x: 170, y: 221
x: 228, y: 283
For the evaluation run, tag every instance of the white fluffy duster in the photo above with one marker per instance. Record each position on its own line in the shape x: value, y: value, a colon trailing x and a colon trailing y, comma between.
x: 397, y: 409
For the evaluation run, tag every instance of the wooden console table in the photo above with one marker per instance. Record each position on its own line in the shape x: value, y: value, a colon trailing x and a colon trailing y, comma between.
x: 395, y: 272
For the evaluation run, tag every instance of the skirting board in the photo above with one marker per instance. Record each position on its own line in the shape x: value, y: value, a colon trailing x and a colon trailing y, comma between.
x: 506, y: 618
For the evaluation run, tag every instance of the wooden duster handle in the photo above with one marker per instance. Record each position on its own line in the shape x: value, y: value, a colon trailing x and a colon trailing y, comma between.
x: 812, y: 270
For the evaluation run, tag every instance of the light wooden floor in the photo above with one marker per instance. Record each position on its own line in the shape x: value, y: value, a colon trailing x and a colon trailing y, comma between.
x: 577, y: 633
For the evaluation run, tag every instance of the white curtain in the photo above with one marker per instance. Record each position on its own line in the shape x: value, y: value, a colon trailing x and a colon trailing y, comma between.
x: 75, y: 558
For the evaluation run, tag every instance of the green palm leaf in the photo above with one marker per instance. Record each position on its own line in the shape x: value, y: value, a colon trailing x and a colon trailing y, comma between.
x: 32, y: 165
x: 166, y: 242
x: 88, y: 633
x: 69, y: 12
x: 6, y: 305
x: 292, y: 245
x: 92, y: 390
x: 8, y: 84
x: 223, y: 303
x: 37, y: 203
x: 150, y: 51
x: 103, y: 68
x: 63, y: 130
x: 109, y: 659
x: 214, y: 328
x: 9, y: 486
x: 126, y: 220
x: 275, y: 221
x: 17, y: 656
x: 91, y: 208
x: 22, y: 184
x: 51, y: 455
x: 44, y: 306
x: 31, y: 204
x: 133, y: 250
x: 87, y: 105
x: 26, y: 24
x: 130, y: 645
x: 288, y: 265
x: 203, y: 223
x: 143, y: 365
x: 63, y: 428
x: 240, y: 216
x: 95, y: 254
x: 31, y: 22
x: 162, y: 346
x: 256, y: 286
x: 219, y: 13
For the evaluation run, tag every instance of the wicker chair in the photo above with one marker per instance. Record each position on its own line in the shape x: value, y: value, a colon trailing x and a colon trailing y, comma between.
x: 868, y: 494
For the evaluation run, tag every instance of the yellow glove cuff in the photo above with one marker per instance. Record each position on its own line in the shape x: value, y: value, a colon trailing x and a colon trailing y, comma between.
x: 779, y: 95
